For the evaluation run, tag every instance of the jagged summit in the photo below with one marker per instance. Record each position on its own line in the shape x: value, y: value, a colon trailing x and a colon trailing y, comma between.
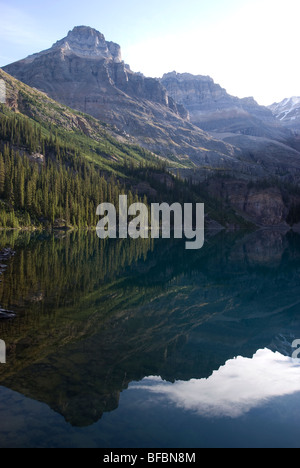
x: 85, y: 42
x: 88, y: 42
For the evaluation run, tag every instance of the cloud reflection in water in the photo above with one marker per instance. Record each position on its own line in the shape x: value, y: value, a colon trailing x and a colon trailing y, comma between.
x: 239, y: 386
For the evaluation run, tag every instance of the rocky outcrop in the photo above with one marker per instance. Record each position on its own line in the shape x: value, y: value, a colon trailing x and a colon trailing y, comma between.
x: 264, y: 206
x: 38, y: 158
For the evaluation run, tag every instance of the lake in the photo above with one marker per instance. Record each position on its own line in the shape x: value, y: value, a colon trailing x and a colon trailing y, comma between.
x: 141, y: 343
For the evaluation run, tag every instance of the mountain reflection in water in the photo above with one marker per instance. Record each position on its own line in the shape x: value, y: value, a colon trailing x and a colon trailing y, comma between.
x: 94, y: 318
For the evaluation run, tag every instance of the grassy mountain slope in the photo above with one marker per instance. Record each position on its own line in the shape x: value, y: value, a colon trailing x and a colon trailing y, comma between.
x: 88, y: 134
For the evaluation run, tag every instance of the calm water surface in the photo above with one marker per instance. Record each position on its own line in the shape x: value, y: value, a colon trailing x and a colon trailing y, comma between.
x: 145, y: 344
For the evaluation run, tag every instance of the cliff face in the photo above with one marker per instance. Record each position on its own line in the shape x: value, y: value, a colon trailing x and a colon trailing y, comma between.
x: 213, y: 109
x: 263, y: 205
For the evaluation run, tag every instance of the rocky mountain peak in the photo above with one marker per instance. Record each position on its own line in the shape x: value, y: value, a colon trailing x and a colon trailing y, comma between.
x: 84, y: 41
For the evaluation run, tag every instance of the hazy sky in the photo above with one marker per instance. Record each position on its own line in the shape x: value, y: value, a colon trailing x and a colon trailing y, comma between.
x: 249, y: 47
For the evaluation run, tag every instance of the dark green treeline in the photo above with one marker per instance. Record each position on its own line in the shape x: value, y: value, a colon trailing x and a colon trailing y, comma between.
x: 60, y: 184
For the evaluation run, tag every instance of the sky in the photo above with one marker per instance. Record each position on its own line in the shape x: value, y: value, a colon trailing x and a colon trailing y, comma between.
x: 249, y: 47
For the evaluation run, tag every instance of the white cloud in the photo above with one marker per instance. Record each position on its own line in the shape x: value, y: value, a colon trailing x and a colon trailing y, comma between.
x: 233, y: 390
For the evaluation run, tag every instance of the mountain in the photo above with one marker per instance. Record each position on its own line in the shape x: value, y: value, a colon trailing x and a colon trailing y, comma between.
x: 58, y: 164
x: 243, y: 123
x: 53, y: 159
x: 213, y: 109
x: 106, y: 71
x: 171, y: 117
x: 243, y: 142
x: 85, y: 72
x: 288, y: 113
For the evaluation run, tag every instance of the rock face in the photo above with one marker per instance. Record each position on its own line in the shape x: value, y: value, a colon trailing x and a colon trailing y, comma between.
x: 38, y: 158
x: 83, y: 42
x: 287, y: 112
x: 213, y: 109
x: 265, y: 206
